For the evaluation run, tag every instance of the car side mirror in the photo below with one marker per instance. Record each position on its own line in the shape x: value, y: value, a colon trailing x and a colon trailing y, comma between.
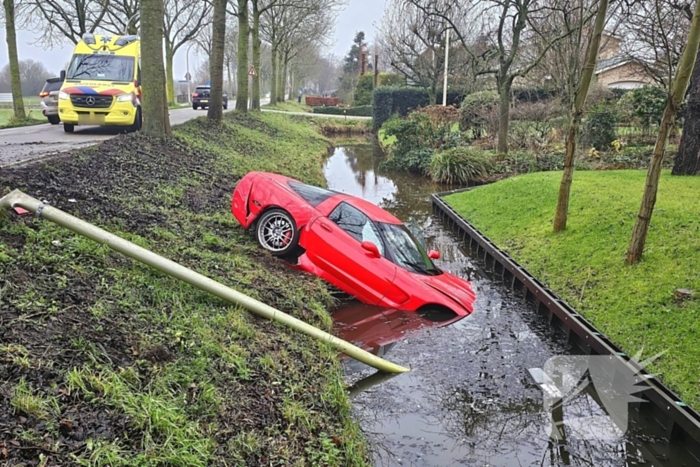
x: 62, y: 75
x: 371, y: 248
x: 432, y: 254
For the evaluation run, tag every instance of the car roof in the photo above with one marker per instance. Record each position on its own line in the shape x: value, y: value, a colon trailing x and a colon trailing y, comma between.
x: 373, y: 211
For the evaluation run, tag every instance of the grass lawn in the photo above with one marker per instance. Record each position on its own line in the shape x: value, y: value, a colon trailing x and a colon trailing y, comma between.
x: 34, y: 116
x: 635, y: 305
x: 104, y: 361
x: 289, y: 106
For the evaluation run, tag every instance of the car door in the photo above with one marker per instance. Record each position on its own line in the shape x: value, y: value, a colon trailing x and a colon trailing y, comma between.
x: 333, y: 244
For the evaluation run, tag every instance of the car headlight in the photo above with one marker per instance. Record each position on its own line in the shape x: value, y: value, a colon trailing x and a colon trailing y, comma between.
x: 124, y: 98
x: 63, y: 95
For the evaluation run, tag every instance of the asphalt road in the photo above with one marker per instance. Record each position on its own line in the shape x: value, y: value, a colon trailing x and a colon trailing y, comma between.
x: 24, y: 144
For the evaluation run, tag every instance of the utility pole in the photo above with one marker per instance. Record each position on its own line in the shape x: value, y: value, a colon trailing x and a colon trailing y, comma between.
x: 447, y: 56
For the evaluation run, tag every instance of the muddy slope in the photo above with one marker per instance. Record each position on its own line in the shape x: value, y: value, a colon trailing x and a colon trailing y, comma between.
x: 106, y: 362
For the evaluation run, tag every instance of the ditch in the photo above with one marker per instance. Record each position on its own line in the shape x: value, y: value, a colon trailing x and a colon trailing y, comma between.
x: 470, y: 398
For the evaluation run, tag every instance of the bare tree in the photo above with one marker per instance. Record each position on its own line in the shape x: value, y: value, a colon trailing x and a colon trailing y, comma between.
x: 183, y: 20
x: 657, y: 31
x: 242, y: 68
x: 122, y: 17
x: 499, y: 27
x: 156, y: 121
x: 216, y: 62
x: 576, y: 114
x: 414, y: 44
x: 673, y: 102
x: 60, y: 20
x: 11, y: 38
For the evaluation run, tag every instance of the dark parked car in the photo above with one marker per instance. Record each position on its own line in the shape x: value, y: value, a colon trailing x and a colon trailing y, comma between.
x: 201, y: 95
x: 49, y: 99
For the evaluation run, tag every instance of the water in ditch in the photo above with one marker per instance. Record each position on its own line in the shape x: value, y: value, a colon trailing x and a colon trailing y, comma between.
x: 469, y: 398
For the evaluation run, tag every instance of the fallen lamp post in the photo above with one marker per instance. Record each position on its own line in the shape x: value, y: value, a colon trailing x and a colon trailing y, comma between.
x: 18, y: 199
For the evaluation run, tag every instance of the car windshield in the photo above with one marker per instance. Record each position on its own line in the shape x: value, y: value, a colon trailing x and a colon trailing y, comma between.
x: 405, y: 251
x: 101, y: 67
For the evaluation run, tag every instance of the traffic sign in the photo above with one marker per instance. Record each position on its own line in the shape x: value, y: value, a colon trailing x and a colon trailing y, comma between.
x: 252, y: 72
x: 208, y: 83
x: 188, y: 76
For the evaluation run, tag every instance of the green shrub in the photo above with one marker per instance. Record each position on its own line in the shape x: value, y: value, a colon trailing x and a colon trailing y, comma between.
x: 461, y: 164
x: 599, y: 128
x: 520, y: 162
x: 359, y: 111
x: 478, y: 111
x: 365, y: 86
x: 387, y: 101
x: 363, y: 90
x: 416, y: 161
x: 648, y: 103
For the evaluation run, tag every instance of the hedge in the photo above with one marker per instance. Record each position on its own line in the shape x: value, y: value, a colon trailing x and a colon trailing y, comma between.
x: 359, y: 111
x: 453, y: 97
x: 387, y: 101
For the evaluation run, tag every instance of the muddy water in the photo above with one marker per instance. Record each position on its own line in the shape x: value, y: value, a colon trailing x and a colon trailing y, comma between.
x: 469, y: 399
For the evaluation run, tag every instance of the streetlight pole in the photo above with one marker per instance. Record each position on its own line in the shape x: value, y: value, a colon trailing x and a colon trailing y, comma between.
x: 128, y: 22
x: 189, y: 76
x: 447, y: 56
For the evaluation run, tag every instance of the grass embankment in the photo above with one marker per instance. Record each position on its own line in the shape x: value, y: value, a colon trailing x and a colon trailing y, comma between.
x: 34, y: 117
x: 634, y: 306
x: 104, y: 361
x: 289, y: 106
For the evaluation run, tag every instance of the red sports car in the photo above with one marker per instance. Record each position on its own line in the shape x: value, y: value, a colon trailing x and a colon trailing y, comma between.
x: 349, y: 242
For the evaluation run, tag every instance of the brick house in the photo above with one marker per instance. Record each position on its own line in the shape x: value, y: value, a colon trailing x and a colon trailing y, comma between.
x: 617, y: 70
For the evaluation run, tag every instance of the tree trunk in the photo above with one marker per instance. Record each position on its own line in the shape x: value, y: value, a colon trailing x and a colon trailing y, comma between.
x: 216, y: 62
x: 154, y: 106
x: 688, y: 158
x: 11, y: 38
x: 504, y: 114
x: 292, y: 86
x: 242, y: 68
x: 285, y: 77
x: 274, y: 77
x: 229, y: 78
x: 255, y: 37
x: 575, y: 118
x: 169, y: 54
x: 680, y: 84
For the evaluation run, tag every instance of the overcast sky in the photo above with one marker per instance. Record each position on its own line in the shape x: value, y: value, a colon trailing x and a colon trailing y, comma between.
x: 359, y: 15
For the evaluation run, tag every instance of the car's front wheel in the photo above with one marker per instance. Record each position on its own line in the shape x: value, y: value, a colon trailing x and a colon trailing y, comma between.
x: 277, y: 232
x: 194, y: 107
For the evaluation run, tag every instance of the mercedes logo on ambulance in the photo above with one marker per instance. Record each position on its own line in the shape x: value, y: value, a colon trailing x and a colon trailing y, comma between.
x: 90, y: 101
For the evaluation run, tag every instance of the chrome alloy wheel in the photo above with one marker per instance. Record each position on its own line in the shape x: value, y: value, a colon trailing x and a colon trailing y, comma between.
x: 276, y: 231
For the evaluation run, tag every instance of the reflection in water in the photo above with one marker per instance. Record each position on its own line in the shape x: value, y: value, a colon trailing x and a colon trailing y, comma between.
x: 469, y: 399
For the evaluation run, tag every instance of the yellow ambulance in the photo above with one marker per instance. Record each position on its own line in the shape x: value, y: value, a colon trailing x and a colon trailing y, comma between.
x: 102, y: 83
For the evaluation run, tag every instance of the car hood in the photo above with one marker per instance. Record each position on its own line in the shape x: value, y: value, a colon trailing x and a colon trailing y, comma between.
x: 459, y: 290
x: 96, y: 87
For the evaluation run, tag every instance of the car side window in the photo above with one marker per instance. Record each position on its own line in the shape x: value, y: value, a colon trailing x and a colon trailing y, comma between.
x: 357, y: 224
